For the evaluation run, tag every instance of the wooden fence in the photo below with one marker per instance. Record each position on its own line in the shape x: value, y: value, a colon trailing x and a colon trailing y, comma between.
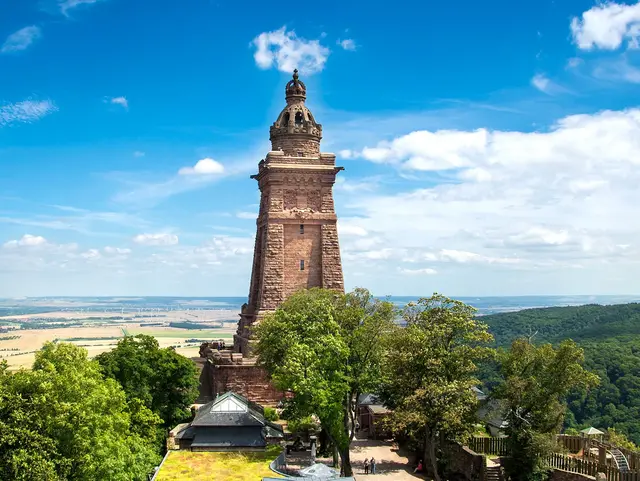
x: 497, y: 446
x: 591, y: 468
x: 573, y: 444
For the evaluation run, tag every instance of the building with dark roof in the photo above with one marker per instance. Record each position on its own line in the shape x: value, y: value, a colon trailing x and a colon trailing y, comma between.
x: 229, y: 423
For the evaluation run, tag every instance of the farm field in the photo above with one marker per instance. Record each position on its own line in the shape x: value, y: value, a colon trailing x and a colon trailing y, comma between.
x: 98, y: 332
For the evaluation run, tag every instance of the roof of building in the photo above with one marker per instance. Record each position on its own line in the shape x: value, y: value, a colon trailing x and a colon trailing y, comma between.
x: 240, y: 437
x: 227, y: 411
x: 368, y: 398
x: 378, y: 409
x: 230, y: 409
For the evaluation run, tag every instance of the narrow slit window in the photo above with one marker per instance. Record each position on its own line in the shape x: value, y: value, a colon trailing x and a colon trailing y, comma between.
x: 300, y: 154
x: 301, y: 228
x: 301, y: 264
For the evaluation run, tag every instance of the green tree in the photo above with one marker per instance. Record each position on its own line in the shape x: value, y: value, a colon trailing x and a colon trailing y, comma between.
x: 325, y: 348
x: 64, y: 420
x: 430, y: 373
x: 536, y: 381
x: 163, y: 380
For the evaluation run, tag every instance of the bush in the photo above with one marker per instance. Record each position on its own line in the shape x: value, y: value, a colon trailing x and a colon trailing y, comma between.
x: 270, y: 414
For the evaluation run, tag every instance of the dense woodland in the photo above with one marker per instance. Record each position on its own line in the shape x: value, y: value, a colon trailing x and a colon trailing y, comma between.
x: 610, y: 337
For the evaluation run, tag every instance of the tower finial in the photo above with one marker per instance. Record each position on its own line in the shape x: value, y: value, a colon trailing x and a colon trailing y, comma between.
x: 295, y: 89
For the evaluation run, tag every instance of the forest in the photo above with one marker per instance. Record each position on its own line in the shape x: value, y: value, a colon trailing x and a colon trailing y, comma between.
x: 610, y: 337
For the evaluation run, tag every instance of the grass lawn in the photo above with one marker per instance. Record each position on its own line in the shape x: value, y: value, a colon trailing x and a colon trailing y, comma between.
x: 207, y: 466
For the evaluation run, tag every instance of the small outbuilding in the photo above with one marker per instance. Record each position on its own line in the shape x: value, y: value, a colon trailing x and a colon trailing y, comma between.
x: 229, y: 423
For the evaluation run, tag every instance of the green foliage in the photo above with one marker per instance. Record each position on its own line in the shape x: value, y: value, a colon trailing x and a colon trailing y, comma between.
x: 163, y: 380
x: 430, y: 370
x: 64, y: 421
x: 270, y: 414
x: 303, y: 425
x: 536, y: 383
x: 324, y: 347
x: 620, y: 440
x: 610, y: 337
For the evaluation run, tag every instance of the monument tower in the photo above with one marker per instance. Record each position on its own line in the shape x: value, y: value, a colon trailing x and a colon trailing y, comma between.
x: 296, y: 243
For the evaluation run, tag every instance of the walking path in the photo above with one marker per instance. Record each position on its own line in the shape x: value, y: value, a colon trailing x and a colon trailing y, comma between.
x: 391, y: 463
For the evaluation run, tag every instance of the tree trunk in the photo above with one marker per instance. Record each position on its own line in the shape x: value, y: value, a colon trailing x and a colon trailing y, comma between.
x: 335, y: 455
x: 345, y: 468
x: 430, y: 452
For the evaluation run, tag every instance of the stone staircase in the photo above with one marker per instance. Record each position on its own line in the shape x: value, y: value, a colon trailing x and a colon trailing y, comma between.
x: 492, y: 473
x: 621, y: 461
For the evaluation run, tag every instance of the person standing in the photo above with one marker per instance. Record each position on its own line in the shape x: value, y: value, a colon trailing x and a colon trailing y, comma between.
x: 373, y: 466
x: 366, y: 466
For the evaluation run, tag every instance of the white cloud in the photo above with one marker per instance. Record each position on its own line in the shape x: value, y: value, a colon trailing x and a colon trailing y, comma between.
x: 416, y: 272
x: 66, y: 5
x: 21, y: 39
x: 346, y: 229
x: 541, y: 82
x: 203, y: 167
x: 607, y: 26
x: 91, y: 254
x: 138, y: 153
x: 122, y: 101
x: 347, y: 44
x: 116, y: 250
x: 161, y: 239
x: 247, y: 215
x: 25, y: 112
x: 27, y: 240
x: 550, y: 202
x: 286, y: 51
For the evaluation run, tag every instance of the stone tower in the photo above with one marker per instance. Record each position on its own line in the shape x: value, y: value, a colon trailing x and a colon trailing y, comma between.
x: 296, y: 240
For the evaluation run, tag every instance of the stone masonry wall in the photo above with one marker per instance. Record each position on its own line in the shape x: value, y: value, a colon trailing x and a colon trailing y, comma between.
x: 273, y: 276
x: 332, y: 277
x: 249, y: 381
x: 294, y: 143
x: 297, y: 247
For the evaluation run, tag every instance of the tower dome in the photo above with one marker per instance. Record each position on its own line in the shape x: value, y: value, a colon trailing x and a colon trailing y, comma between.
x: 295, y: 131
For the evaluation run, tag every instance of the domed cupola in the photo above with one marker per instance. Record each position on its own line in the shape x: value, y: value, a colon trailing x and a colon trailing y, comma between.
x: 296, y: 132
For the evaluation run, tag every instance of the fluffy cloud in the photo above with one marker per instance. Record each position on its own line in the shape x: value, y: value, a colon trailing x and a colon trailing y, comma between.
x: 607, y: 26
x: 286, y: 51
x: 27, y: 240
x: 66, y: 5
x: 347, y: 44
x: 116, y: 250
x: 122, y: 101
x: 161, y: 239
x: 565, y: 198
x: 417, y: 272
x: 25, y: 112
x: 21, y: 39
x: 203, y: 167
x: 542, y: 83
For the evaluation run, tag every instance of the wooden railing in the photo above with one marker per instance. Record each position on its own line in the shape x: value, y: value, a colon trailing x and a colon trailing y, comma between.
x: 496, y: 446
x: 572, y: 444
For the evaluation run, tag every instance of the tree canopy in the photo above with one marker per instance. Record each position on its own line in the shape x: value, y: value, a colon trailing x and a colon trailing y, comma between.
x: 64, y: 420
x: 610, y: 337
x: 536, y: 381
x: 159, y: 378
x: 325, y: 348
x: 430, y: 373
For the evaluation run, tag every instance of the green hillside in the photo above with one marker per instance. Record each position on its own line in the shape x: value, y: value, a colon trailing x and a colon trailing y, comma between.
x: 610, y: 336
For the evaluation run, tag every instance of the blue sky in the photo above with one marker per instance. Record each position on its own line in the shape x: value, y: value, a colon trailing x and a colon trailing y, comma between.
x: 490, y: 148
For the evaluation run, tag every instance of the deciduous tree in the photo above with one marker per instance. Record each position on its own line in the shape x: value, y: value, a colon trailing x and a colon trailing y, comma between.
x: 536, y: 381
x: 430, y: 371
x: 325, y: 348
x: 64, y: 420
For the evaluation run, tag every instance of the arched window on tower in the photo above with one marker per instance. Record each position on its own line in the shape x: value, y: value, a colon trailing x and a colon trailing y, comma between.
x: 285, y: 119
x: 299, y: 119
